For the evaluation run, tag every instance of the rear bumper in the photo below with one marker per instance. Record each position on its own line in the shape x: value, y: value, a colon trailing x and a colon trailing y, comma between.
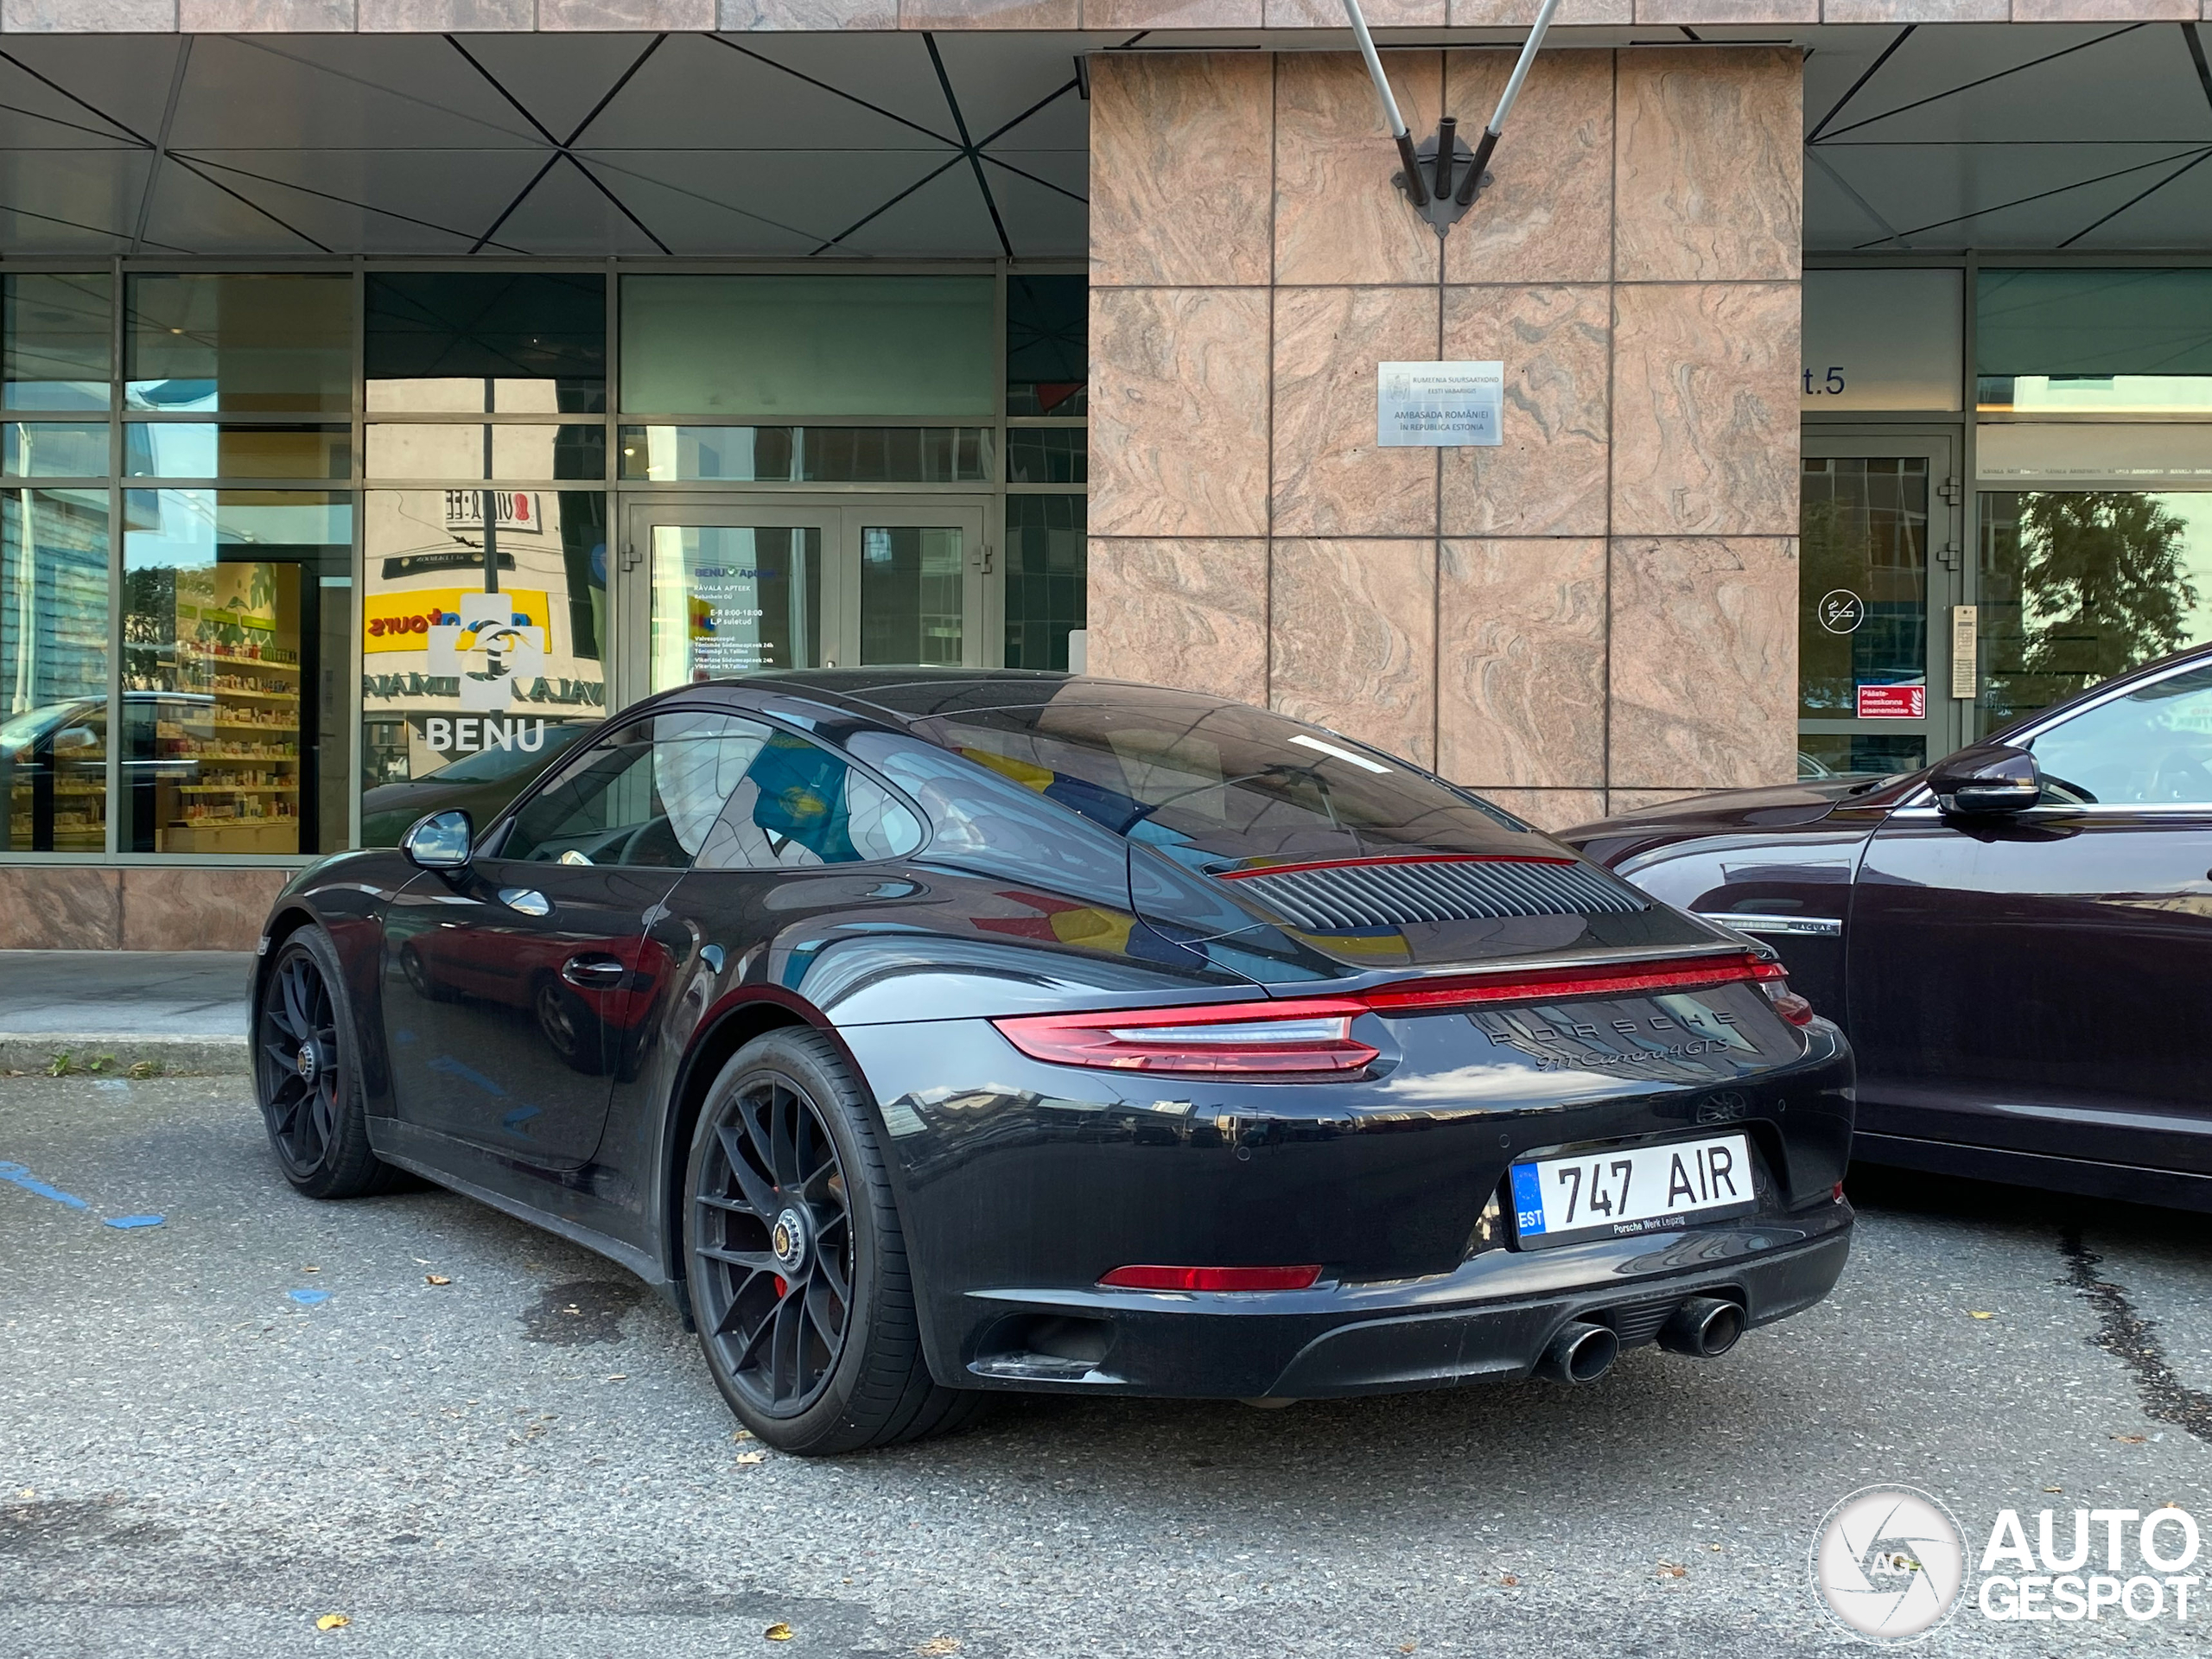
x: 1491, y: 1320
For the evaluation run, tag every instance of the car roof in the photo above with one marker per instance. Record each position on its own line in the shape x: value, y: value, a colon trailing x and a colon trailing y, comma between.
x: 906, y: 697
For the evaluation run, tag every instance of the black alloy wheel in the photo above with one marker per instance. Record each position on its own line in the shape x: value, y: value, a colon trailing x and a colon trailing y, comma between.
x: 795, y: 1259
x: 775, y: 1232
x: 305, y: 1074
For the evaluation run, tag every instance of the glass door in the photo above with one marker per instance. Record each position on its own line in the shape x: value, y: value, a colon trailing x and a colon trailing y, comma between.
x: 724, y: 585
x: 1881, y: 611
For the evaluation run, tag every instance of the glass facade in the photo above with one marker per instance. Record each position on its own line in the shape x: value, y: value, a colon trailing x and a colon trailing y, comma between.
x: 278, y: 548
x: 2074, y: 542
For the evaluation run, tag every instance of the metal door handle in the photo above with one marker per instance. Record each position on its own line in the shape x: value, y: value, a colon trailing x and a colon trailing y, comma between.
x: 593, y: 973
x: 528, y: 900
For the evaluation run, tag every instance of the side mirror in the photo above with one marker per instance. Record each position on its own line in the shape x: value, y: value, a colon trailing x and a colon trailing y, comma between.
x: 443, y: 841
x: 1988, y: 778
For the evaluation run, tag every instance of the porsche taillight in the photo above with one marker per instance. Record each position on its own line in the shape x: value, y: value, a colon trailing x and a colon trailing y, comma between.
x: 1308, y: 1034
x: 1313, y: 1035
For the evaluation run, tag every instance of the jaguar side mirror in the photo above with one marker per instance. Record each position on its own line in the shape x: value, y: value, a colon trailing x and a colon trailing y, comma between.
x: 443, y: 841
x: 1988, y: 778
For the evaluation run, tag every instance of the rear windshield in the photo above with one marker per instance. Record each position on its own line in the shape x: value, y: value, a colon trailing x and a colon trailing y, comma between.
x: 1218, y: 785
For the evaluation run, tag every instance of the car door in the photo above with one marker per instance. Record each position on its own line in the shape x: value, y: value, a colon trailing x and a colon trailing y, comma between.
x: 519, y: 991
x: 2042, y: 982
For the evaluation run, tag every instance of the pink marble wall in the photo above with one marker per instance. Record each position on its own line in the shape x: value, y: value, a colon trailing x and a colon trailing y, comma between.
x: 1600, y: 613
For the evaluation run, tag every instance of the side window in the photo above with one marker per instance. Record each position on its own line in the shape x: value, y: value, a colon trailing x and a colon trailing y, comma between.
x: 2152, y: 747
x: 648, y: 793
x: 798, y: 804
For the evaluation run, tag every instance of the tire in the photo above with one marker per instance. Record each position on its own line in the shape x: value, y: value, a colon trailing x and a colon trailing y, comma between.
x: 306, y: 1074
x: 795, y: 1262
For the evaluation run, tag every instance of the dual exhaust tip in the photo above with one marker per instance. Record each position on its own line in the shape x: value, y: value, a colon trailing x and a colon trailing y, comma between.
x: 1704, y: 1327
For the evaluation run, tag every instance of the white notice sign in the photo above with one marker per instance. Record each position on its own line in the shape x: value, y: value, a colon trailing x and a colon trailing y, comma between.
x: 1438, y: 404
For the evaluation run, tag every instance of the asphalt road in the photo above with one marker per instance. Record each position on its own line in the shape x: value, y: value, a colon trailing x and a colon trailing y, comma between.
x: 529, y: 1460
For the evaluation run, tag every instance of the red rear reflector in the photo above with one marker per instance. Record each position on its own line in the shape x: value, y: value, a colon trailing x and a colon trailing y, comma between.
x: 1155, y: 1278
x: 1297, y: 1034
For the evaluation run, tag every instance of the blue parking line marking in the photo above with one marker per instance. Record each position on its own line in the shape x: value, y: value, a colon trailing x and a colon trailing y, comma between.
x: 30, y: 1183
x: 309, y: 1298
x: 134, y: 1220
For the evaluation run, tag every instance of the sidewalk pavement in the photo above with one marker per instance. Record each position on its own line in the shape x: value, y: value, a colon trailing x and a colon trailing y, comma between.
x: 178, y: 1010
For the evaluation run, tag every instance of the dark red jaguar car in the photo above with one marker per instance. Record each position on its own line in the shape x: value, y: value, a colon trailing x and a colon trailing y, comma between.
x: 2018, y: 939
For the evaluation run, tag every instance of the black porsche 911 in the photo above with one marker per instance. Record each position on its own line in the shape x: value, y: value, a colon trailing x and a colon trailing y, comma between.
x: 922, y: 1033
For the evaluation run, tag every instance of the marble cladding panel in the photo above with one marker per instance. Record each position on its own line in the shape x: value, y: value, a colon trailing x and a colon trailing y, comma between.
x: 2102, y: 11
x: 1339, y: 218
x: 1179, y: 411
x: 1546, y: 217
x: 1351, y: 641
x: 88, y: 16
x: 1191, y: 613
x: 1727, y: 11
x: 988, y: 14
x: 1548, y: 477
x: 182, y: 909
x: 1384, y: 14
x: 811, y: 15
x: 457, y: 16
x: 1330, y: 476
x: 1916, y: 11
x: 1705, y: 408
x: 264, y: 17
x: 1703, y: 662
x: 1164, y: 211
x: 1519, y: 14
x: 1173, y: 14
x: 1709, y: 183
x: 1521, y: 662
x: 625, y: 14
x: 60, y: 907
x: 1549, y: 808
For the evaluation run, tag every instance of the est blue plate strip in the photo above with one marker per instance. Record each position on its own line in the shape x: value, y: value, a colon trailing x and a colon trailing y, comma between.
x: 1528, y: 1201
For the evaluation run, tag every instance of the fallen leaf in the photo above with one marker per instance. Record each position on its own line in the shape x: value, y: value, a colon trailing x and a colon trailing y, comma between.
x: 1509, y: 1578
x: 2129, y: 1439
x: 742, y: 1435
x: 27, y: 1493
x: 435, y: 1278
x: 938, y: 1645
x: 1715, y: 1548
x: 753, y: 1457
x: 1407, y: 1647
x: 1668, y: 1570
x: 1980, y: 1316
x: 332, y: 1622
x: 778, y: 1631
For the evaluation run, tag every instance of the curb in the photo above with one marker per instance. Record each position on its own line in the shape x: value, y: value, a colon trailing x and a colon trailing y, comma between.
x: 33, y: 1053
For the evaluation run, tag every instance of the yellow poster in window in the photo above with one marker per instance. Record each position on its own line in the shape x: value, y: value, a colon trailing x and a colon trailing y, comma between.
x: 403, y: 621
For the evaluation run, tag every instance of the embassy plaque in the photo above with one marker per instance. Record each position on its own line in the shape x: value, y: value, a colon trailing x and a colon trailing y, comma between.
x: 1438, y: 404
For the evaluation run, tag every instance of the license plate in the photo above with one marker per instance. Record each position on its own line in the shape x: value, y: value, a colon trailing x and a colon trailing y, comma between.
x: 1630, y: 1190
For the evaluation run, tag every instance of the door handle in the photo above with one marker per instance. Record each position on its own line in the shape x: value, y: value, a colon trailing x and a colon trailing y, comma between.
x: 593, y: 973
x: 528, y: 900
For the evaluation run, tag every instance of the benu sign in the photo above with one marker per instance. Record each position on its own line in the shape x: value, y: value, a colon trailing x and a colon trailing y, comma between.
x: 1438, y: 404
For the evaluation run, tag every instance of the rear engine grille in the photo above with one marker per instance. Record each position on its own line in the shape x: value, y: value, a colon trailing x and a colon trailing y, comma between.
x: 1385, y: 893
x: 1639, y: 1322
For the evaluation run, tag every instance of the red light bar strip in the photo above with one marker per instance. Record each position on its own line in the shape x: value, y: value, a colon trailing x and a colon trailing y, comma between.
x: 1164, y: 1278
x: 1628, y: 978
x: 1409, y: 858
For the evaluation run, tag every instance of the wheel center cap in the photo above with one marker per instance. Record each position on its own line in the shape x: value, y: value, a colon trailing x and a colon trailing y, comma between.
x: 307, y: 1063
x: 788, y: 1240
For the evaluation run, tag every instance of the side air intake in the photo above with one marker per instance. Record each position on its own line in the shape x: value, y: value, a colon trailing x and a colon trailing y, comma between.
x: 1338, y: 897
